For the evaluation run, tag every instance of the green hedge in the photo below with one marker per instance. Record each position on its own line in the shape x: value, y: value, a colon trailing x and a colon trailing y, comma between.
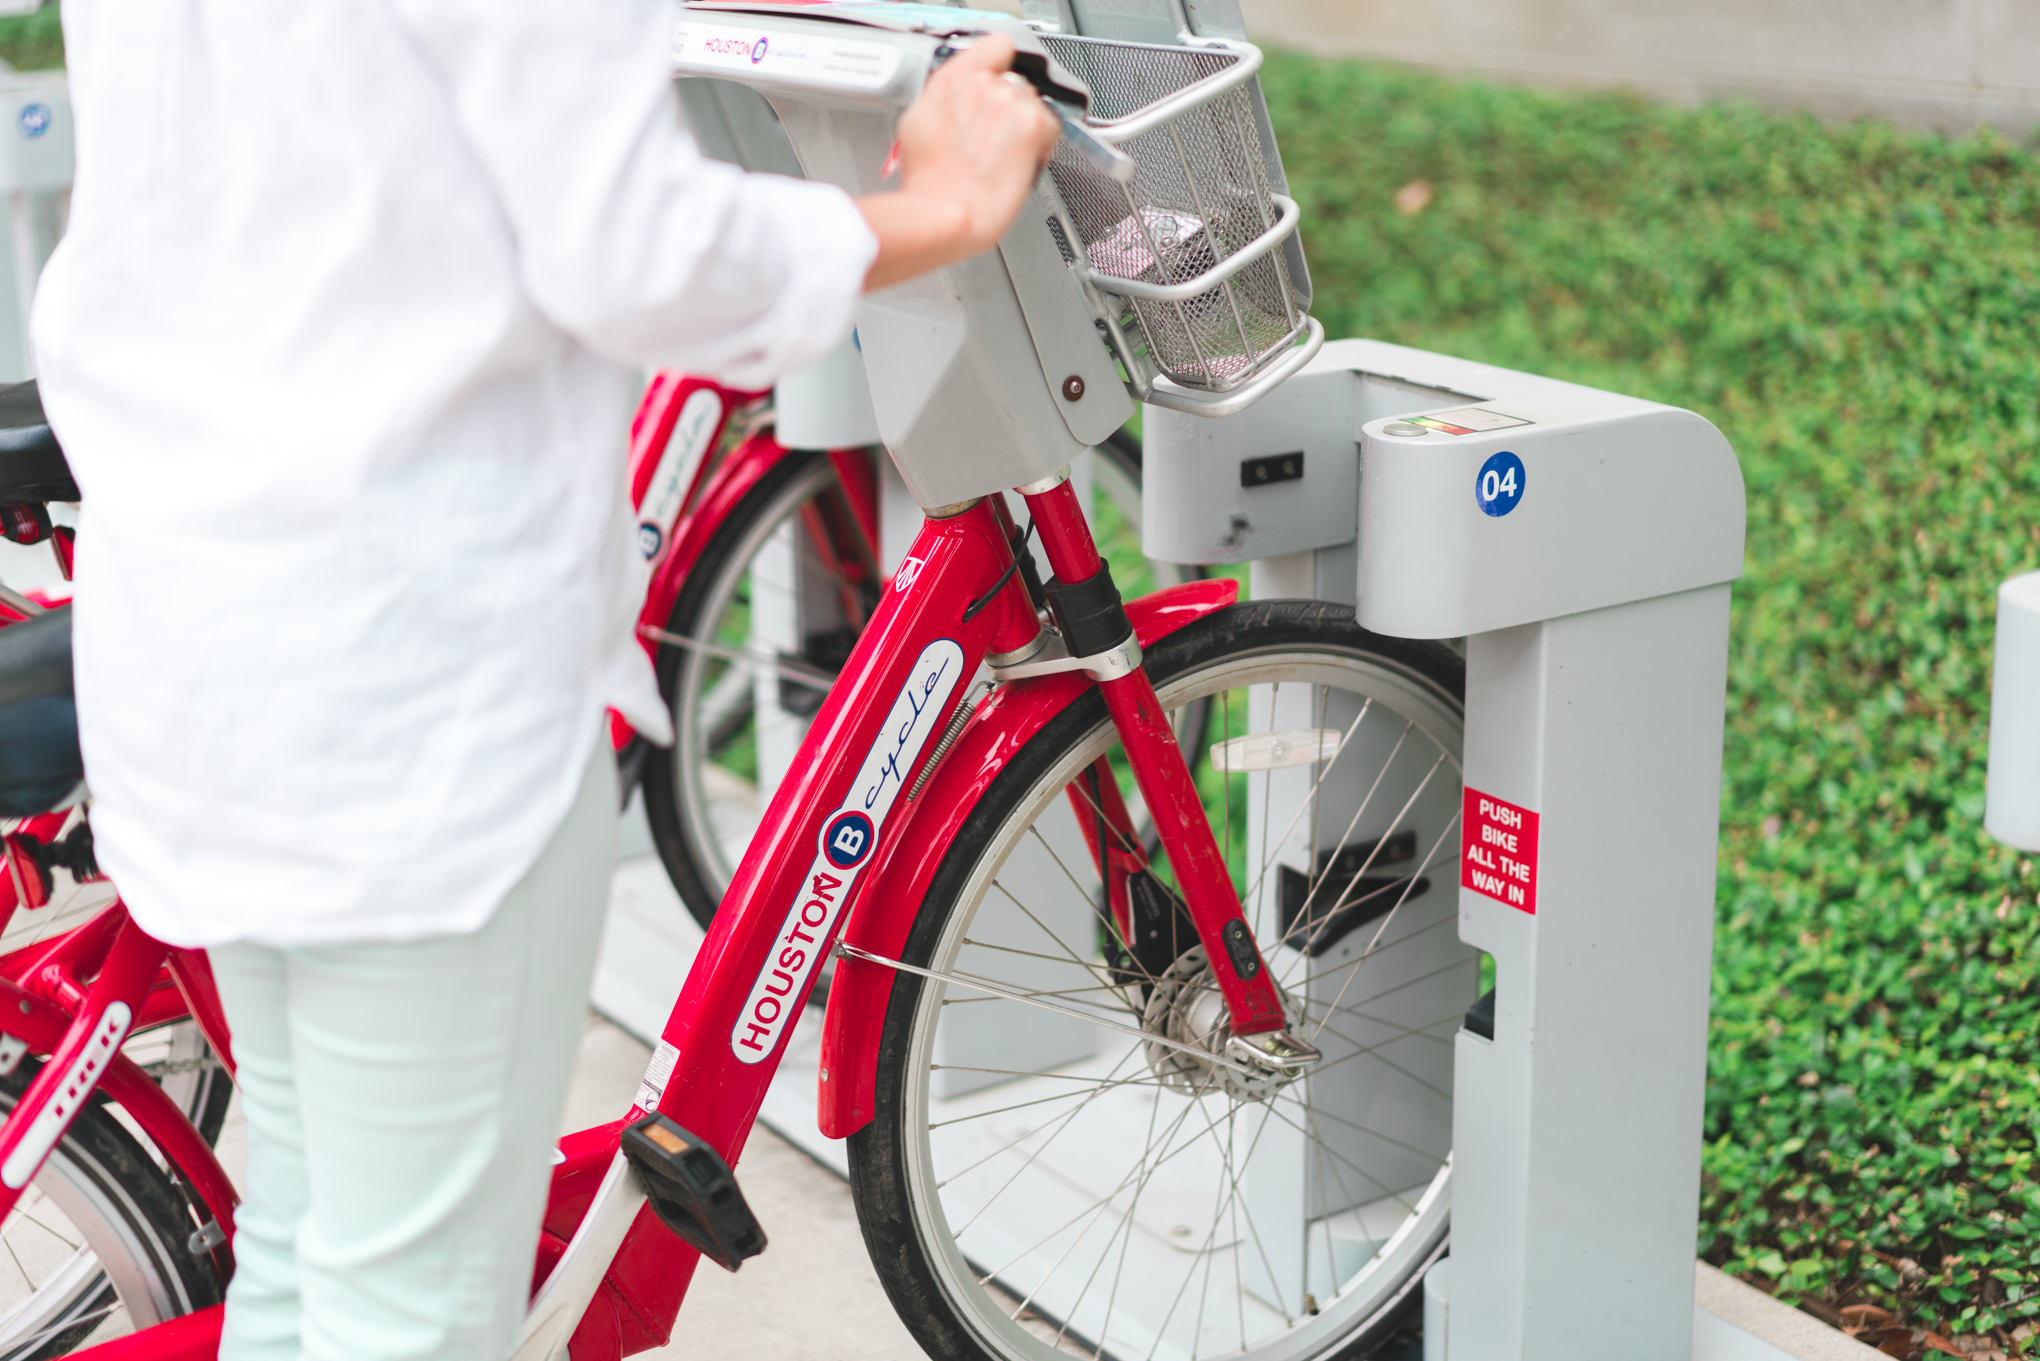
x: 32, y: 42
x: 1859, y: 310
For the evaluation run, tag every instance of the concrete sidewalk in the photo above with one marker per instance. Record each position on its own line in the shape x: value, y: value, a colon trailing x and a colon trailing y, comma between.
x: 813, y: 1296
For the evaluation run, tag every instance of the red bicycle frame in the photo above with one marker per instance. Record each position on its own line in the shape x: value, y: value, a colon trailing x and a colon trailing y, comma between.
x: 683, y: 493
x: 846, y: 846
x: 816, y: 860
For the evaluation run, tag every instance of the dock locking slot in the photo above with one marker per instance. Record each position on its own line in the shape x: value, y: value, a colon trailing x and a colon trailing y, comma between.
x: 1271, y: 468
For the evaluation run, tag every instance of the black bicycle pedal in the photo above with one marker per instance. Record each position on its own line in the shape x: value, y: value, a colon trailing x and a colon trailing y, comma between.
x: 693, y: 1191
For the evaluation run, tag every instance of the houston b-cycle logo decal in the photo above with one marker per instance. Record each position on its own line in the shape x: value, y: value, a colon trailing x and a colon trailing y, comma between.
x: 844, y: 848
x: 847, y: 839
x: 699, y: 416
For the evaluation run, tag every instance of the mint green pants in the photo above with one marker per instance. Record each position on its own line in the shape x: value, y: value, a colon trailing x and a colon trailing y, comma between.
x: 402, y: 1103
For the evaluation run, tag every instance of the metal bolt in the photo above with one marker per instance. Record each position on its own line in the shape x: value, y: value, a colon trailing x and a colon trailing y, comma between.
x: 1073, y: 388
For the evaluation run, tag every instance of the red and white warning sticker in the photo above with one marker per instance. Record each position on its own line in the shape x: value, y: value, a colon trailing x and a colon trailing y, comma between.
x: 657, y: 1074
x: 1499, y: 855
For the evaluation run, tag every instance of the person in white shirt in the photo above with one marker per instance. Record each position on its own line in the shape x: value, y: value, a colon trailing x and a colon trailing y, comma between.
x: 342, y: 343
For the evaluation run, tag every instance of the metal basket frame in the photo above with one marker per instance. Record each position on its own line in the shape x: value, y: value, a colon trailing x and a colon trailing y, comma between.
x: 1129, y: 307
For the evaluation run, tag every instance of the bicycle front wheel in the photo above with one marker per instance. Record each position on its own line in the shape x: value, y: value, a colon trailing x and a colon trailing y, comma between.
x: 1082, y: 1177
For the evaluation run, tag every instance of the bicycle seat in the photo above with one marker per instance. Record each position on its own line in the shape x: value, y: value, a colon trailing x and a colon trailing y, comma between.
x: 39, y: 762
x: 32, y: 466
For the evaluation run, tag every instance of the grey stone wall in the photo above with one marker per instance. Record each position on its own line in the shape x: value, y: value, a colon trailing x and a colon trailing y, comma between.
x: 1947, y: 64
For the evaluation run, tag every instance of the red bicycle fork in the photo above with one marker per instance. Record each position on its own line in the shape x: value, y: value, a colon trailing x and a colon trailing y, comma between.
x: 1163, y: 778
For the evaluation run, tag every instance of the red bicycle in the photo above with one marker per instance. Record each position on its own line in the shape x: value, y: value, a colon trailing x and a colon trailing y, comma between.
x: 1127, y: 1066
x: 1021, y: 979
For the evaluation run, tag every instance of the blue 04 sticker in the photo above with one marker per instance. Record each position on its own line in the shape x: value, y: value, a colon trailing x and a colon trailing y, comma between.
x: 1500, y: 484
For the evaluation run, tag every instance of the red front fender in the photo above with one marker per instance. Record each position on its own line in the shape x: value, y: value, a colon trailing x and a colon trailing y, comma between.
x: 885, y: 909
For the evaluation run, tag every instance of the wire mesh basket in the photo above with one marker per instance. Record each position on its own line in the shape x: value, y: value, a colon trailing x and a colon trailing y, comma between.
x: 1191, y: 247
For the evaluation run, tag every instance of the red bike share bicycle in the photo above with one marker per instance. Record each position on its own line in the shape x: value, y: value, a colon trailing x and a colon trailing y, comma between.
x: 1120, y: 1075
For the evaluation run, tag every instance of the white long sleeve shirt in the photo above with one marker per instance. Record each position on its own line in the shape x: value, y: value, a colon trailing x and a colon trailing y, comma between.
x: 342, y: 345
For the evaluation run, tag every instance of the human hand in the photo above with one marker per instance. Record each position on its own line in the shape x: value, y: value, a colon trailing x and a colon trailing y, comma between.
x: 969, y: 151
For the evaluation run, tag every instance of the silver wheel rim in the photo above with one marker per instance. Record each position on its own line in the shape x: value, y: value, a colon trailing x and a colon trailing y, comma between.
x: 1048, y: 1253
x: 76, y: 1232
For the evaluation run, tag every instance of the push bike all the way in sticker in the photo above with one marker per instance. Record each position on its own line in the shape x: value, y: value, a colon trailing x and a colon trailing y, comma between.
x: 1119, y: 1078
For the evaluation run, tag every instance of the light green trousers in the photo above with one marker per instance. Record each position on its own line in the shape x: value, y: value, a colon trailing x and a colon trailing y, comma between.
x: 402, y: 1104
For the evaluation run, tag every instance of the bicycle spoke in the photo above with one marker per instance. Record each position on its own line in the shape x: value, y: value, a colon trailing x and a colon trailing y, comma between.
x: 1303, y: 913
x: 1091, y: 902
x: 1038, y: 1101
x: 1385, y: 1138
x: 31, y: 1219
x: 1389, y: 1191
x: 1097, y: 1204
x: 26, y: 1279
x: 1029, y: 1134
x: 1413, y: 938
x: 1065, y: 1123
x: 1318, y: 879
x: 1029, y: 1072
x: 1096, y: 1210
x: 1398, y: 906
x: 1021, y: 992
x: 1119, y: 1268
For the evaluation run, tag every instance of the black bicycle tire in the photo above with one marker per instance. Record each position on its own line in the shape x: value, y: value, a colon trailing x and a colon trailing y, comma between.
x: 161, y: 1211
x: 661, y: 791
x: 879, y: 1176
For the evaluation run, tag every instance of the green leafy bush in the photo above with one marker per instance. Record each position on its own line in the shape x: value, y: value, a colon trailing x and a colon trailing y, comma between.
x: 34, y: 41
x: 1859, y: 310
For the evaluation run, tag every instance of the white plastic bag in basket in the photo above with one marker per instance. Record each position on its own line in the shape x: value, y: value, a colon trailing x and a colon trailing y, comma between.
x: 1125, y: 254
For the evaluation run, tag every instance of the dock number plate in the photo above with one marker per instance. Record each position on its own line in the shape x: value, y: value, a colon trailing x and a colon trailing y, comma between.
x: 1498, y: 855
x: 1500, y: 484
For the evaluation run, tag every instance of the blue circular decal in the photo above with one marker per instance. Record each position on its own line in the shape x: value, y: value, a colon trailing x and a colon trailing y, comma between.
x: 848, y: 839
x: 1500, y: 484
x: 34, y: 120
x: 758, y: 51
x: 650, y: 540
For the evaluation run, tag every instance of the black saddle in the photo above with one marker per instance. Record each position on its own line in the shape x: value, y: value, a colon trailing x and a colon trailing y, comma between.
x: 32, y: 466
x: 39, y: 762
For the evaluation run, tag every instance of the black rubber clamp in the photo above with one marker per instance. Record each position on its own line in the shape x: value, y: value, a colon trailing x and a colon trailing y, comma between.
x: 1089, y: 613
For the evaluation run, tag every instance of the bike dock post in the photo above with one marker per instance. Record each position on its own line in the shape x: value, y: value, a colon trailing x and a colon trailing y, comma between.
x: 2012, y: 792
x: 1582, y: 544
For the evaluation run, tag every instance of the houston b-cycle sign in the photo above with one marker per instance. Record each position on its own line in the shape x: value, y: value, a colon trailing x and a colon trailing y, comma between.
x: 848, y: 837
